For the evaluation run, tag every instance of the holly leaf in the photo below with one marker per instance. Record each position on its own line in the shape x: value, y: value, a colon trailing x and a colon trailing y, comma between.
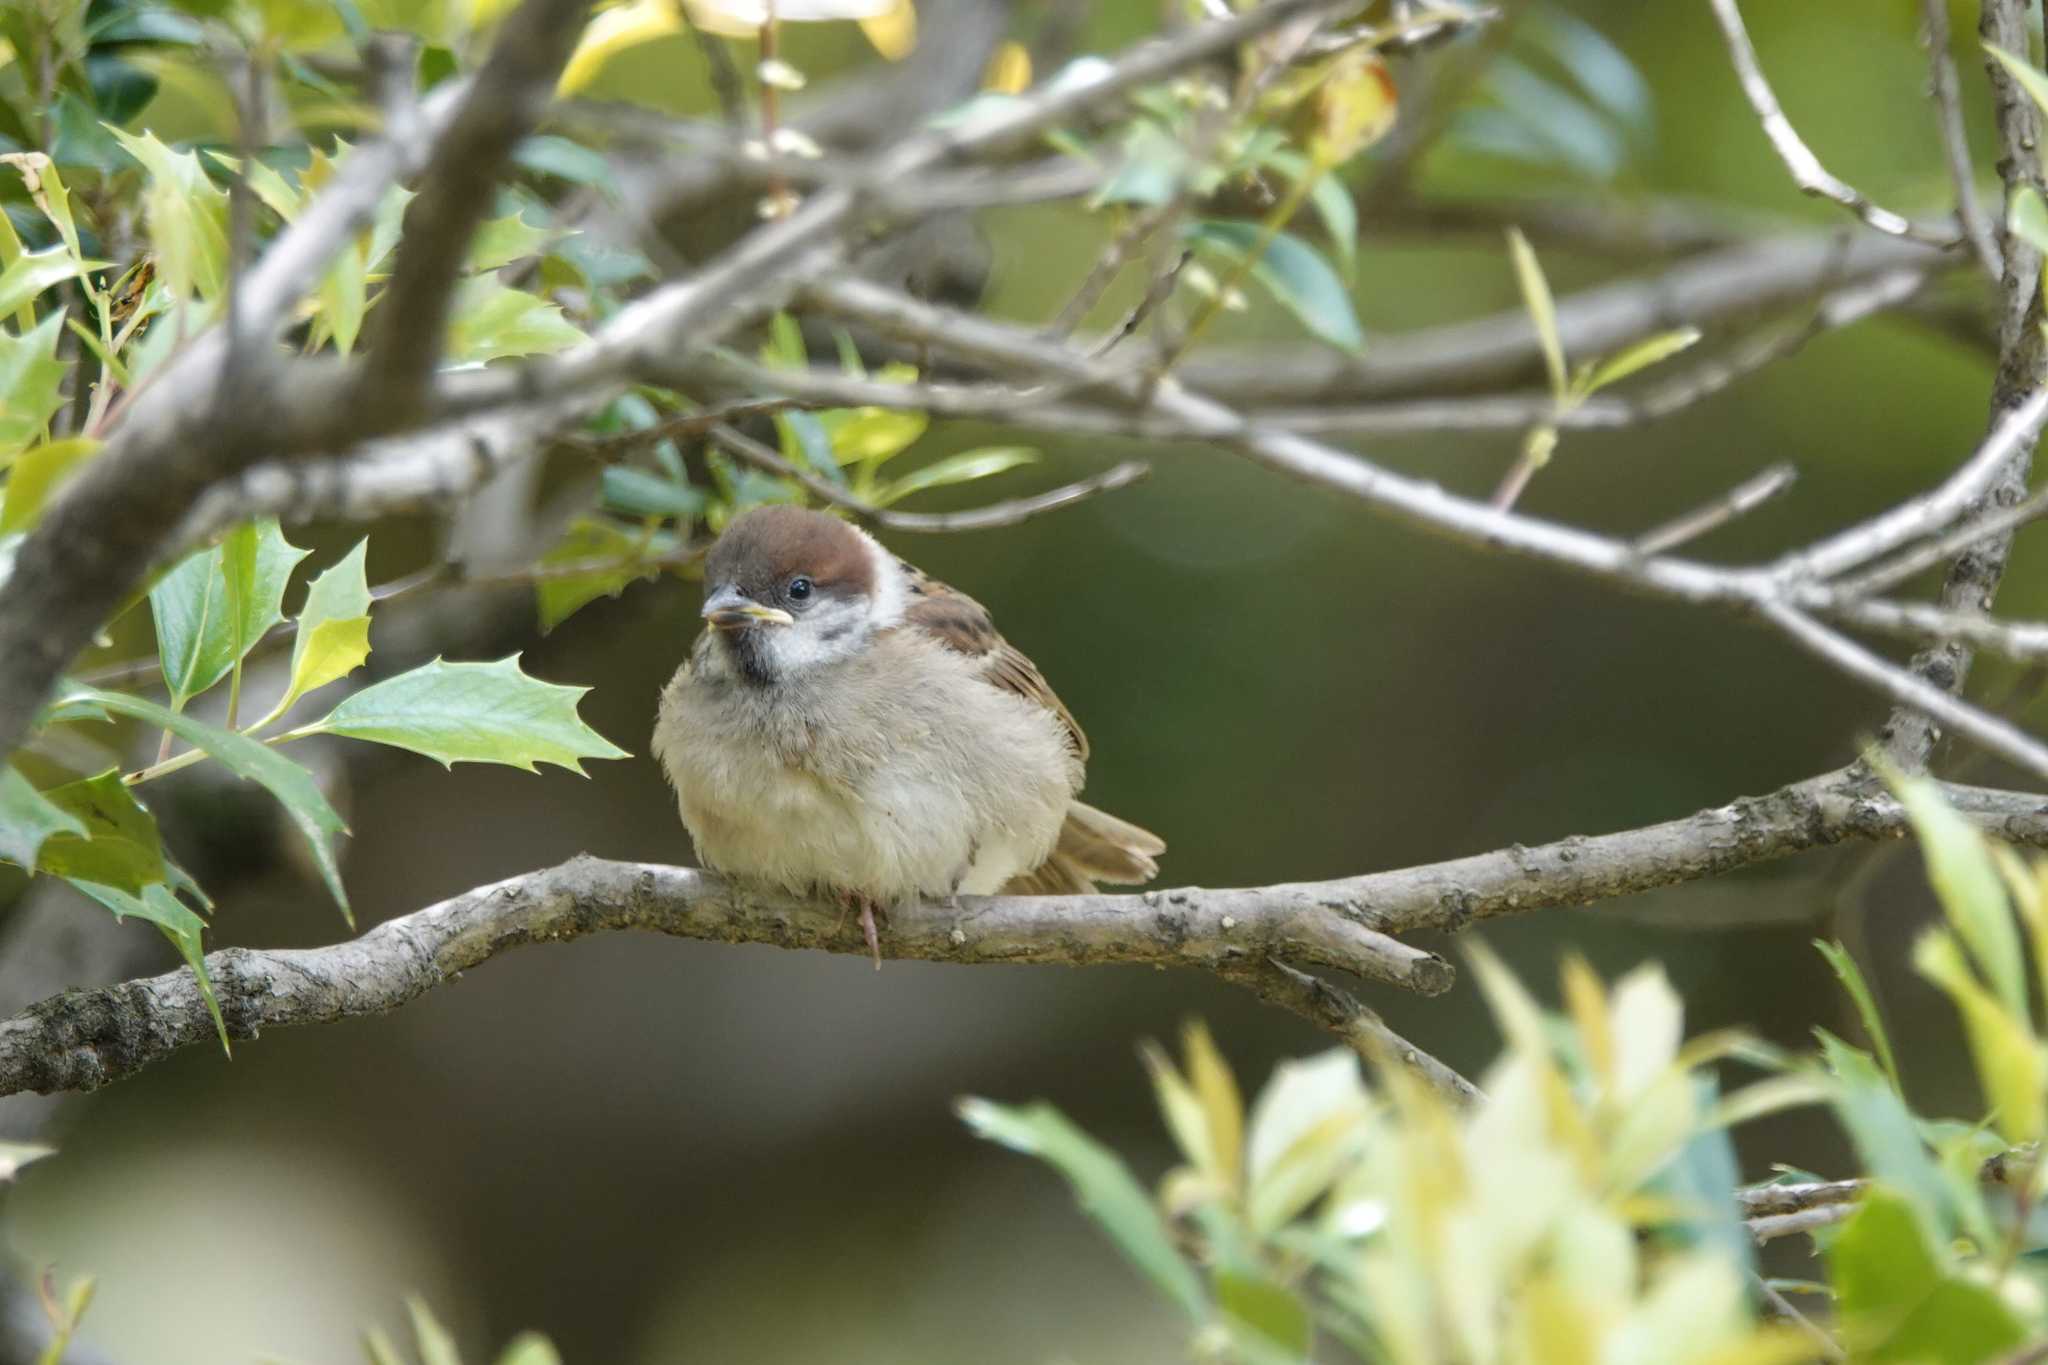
x: 212, y: 609
x: 29, y: 819
x: 33, y: 272
x: 472, y: 713
x: 490, y: 321
x: 30, y: 375
x: 291, y: 784
x: 159, y: 905
x: 334, y: 627
x: 117, y: 843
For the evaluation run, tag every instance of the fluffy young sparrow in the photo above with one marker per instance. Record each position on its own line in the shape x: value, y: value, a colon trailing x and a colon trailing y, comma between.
x: 847, y: 725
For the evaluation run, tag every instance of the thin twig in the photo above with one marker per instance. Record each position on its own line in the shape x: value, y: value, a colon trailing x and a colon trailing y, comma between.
x: 745, y: 447
x: 1807, y: 172
x: 1926, y: 556
x: 1955, y: 137
x: 1745, y: 497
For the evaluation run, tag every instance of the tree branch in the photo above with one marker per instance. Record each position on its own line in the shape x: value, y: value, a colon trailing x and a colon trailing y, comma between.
x: 1807, y: 172
x: 80, y: 1040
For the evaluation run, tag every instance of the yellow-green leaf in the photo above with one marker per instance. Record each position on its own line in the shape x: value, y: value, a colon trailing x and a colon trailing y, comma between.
x: 2010, y: 1061
x: 2029, y: 77
x: 1641, y: 356
x: 611, y: 33
x: 1967, y: 880
x: 1542, y: 308
x: 36, y: 475
x: 334, y: 626
x: 1222, y: 1106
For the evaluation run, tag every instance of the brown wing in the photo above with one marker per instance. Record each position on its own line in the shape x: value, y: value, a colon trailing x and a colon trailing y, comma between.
x: 963, y: 624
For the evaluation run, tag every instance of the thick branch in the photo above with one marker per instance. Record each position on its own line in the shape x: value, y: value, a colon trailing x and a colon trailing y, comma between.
x: 83, y: 1039
x: 507, y: 99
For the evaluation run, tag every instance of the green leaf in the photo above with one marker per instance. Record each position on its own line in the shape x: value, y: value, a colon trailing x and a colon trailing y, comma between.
x: 1894, y: 1301
x: 1966, y: 878
x: 2010, y: 1062
x: 31, y: 274
x: 436, y: 1346
x: 1851, y: 977
x: 30, y: 376
x: 160, y: 906
x: 1273, y: 1313
x: 1295, y: 273
x: 490, y: 321
x: 344, y: 295
x: 28, y: 819
x: 472, y: 712
x: 1883, y: 1130
x: 38, y: 474
x: 2027, y: 219
x: 869, y: 435
x: 334, y: 626
x: 212, y: 609
x: 530, y: 1348
x: 2029, y: 78
x: 1542, y: 308
x: 378, y: 1349
x: 1105, y: 1187
x: 117, y: 843
x: 965, y: 467
x: 1649, y: 351
x: 640, y: 493
x: 46, y: 187
x: 587, y: 541
x: 187, y: 215
x: 501, y: 241
x: 291, y: 784
x: 277, y: 194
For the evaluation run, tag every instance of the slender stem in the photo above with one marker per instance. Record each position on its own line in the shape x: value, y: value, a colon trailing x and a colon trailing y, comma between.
x: 1269, y: 228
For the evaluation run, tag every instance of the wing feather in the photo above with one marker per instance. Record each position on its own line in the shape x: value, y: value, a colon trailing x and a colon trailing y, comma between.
x: 963, y: 625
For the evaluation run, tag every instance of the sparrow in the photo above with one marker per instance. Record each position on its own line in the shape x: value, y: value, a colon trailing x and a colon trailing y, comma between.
x: 847, y: 726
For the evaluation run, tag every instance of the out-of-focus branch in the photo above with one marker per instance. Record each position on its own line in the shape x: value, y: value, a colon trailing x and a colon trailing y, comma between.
x: 1972, y: 583
x: 506, y: 100
x: 1806, y: 170
x: 1750, y: 280
x: 1946, y: 91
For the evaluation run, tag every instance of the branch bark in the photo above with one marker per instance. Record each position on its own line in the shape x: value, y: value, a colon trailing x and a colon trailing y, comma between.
x: 84, y: 1039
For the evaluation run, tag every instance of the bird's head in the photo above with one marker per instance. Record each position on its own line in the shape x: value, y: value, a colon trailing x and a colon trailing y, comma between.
x: 789, y: 590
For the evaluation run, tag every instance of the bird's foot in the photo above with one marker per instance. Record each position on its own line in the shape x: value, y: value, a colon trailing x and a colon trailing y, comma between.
x: 868, y: 931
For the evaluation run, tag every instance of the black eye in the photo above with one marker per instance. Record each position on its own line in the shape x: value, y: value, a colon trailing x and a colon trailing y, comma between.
x: 799, y: 588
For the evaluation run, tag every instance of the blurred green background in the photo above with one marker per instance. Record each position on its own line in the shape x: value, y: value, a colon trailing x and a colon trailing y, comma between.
x: 663, y: 1151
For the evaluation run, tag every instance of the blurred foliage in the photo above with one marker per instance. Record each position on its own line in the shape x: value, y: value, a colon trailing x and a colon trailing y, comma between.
x: 1582, y: 1209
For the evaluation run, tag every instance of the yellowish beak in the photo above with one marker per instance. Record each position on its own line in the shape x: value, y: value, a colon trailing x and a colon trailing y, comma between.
x: 729, y: 609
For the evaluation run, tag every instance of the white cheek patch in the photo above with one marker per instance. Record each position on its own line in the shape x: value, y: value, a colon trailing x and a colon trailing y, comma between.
x: 890, y: 595
x: 829, y: 631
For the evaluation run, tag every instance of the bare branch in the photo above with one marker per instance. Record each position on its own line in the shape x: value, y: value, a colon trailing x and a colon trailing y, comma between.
x: 84, y: 1039
x: 1745, y: 497
x: 1924, y: 557
x: 1807, y: 172
x: 505, y: 102
x: 1955, y: 138
x: 81, y: 1040
x: 1749, y: 280
x: 1358, y: 1024
x: 1770, y: 1227
x: 746, y: 448
x: 1910, y: 690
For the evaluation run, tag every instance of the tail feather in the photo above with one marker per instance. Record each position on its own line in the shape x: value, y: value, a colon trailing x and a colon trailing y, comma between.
x: 1094, y: 846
